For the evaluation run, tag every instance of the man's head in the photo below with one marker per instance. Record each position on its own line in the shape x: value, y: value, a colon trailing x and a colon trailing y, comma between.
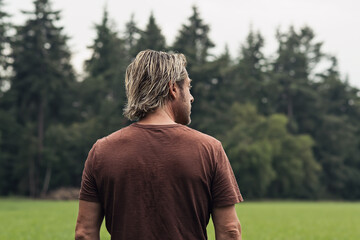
x: 149, y: 79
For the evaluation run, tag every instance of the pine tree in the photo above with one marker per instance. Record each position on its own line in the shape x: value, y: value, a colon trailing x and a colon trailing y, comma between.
x: 131, y: 36
x: 297, y: 56
x: 151, y: 37
x: 101, y: 98
x: 252, y: 82
x: 217, y: 95
x: 8, y: 126
x: 43, y: 77
x: 193, y: 41
x: 103, y: 88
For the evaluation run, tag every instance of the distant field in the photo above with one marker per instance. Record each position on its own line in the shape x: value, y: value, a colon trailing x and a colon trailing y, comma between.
x: 55, y: 220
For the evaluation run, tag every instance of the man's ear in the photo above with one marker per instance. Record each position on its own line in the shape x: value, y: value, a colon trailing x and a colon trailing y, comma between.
x: 173, y: 90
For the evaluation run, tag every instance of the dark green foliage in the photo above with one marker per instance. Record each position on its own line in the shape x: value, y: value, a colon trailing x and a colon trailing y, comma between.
x: 250, y: 70
x: 75, y: 141
x: 101, y: 98
x: 6, y: 118
x: 297, y: 56
x: 267, y: 159
x: 289, y: 129
x: 42, y: 78
x: 9, y: 147
x: 253, y: 81
x: 337, y: 134
x: 103, y: 89
x: 215, y: 97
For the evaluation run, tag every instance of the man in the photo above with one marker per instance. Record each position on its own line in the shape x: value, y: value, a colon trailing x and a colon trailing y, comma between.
x: 157, y: 178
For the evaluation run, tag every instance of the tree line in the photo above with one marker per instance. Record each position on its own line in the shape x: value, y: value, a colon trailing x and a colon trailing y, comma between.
x: 289, y: 127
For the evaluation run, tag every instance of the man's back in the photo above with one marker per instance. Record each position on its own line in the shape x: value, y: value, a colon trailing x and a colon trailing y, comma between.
x: 158, y: 181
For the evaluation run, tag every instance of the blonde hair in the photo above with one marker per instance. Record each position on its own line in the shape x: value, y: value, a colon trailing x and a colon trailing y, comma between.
x: 147, y: 81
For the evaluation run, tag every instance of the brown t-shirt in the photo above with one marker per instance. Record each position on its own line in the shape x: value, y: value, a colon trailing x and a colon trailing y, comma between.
x: 158, y: 181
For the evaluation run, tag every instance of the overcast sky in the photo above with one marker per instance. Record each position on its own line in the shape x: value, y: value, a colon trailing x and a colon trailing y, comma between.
x: 335, y: 22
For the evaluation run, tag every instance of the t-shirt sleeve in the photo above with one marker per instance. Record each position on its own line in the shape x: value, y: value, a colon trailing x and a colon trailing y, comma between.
x: 88, y: 190
x: 225, y: 190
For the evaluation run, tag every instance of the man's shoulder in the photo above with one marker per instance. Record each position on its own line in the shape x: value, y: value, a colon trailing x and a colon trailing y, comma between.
x: 112, y: 137
x: 192, y: 138
x: 200, y: 136
x: 181, y: 132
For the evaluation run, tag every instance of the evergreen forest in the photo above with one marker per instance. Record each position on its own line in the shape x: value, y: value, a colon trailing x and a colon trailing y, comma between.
x: 290, y: 128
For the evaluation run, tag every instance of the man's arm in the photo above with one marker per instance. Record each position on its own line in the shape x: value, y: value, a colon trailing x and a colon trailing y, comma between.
x: 89, y: 221
x: 226, y: 223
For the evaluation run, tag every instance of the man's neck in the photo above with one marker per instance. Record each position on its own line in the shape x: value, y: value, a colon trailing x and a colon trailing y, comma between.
x: 161, y: 116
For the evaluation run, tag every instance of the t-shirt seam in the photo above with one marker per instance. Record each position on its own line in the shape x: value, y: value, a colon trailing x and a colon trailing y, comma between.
x: 87, y: 197
x: 159, y: 126
x: 217, y: 155
x: 230, y: 196
x: 93, y: 173
x: 94, y: 159
x: 229, y: 199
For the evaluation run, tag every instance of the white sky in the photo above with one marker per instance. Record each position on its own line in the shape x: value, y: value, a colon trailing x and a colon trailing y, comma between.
x: 335, y: 22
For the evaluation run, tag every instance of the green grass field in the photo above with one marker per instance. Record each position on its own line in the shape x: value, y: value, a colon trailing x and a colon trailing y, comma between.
x: 40, y: 220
